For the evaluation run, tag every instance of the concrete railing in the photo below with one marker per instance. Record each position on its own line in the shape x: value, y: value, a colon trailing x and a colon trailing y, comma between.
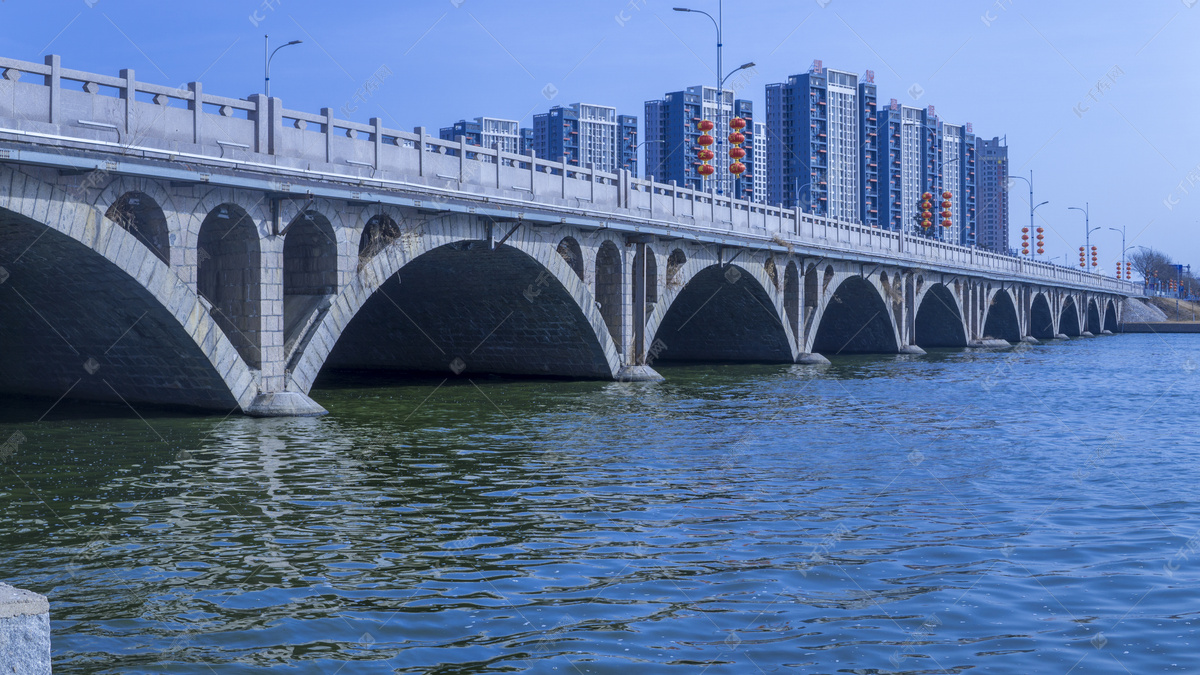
x: 129, y: 115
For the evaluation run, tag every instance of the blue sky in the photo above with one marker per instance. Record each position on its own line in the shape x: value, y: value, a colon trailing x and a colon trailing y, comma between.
x: 1100, y: 99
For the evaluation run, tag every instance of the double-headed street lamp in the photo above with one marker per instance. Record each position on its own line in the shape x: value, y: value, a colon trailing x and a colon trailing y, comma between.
x: 718, y: 95
x: 1087, y: 229
x: 267, y: 56
x: 1032, y: 208
x: 1123, y: 247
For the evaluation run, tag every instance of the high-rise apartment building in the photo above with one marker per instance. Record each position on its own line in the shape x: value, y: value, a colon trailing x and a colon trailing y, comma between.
x: 759, y: 154
x: 992, y: 196
x: 815, y: 151
x: 587, y: 135
x: 900, y: 128
x: 671, y: 135
x: 487, y: 132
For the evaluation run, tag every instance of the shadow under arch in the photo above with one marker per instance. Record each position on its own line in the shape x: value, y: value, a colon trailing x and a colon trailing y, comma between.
x: 75, y: 323
x: 855, y: 321
x: 939, y: 322
x: 1002, y: 321
x: 1110, y: 316
x: 1093, y: 318
x: 1068, y: 320
x: 140, y: 215
x: 462, y: 308
x: 723, y: 314
x: 1041, y: 321
x: 228, y: 265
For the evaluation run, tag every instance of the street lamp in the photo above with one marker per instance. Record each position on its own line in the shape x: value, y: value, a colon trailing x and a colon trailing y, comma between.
x: 267, y: 56
x: 646, y: 166
x: 1087, y: 228
x: 718, y: 95
x: 1032, y: 208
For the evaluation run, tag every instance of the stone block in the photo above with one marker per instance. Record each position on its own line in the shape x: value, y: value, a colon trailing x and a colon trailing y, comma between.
x: 24, y: 632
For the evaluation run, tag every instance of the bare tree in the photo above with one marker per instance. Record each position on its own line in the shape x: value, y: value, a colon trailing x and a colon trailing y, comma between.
x: 1147, y: 262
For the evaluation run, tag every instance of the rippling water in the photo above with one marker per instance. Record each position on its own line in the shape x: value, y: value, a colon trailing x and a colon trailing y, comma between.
x: 1006, y: 512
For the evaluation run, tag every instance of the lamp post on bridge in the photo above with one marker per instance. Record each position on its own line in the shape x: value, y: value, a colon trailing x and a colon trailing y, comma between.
x: 1032, y: 208
x: 718, y: 95
x: 267, y: 56
x: 1087, y: 228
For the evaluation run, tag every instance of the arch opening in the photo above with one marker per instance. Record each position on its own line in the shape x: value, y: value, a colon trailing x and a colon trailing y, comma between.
x: 141, y: 216
x: 723, y: 314
x: 1110, y: 316
x: 1002, y: 322
x: 651, y: 279
x: 791, y: 297
x: 608, y: 291
x: 228, y: 277
x: 939, y: 322
x: 309, y: 274
x: 379, y: 232
x: 855, y: 322
x: 97, y: 333
x: 1068, y: 320
x: 569, y: 249
x: 467, y: 308
x: 1093, y: 318
x: 1041, y: 321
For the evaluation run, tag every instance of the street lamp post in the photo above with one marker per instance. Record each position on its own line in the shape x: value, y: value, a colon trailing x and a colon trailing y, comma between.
x: 1087, y: 229
x: 1123, y: 248
x: 267, y: 56
x: 718, y: 95
x: 646, y: 165
x: 1032, y: 208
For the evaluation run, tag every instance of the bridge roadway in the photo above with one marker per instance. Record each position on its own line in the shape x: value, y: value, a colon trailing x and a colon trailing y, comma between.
x: 161, y: 244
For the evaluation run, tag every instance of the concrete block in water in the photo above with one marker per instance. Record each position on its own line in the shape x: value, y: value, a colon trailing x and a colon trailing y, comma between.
x: 24, y: 632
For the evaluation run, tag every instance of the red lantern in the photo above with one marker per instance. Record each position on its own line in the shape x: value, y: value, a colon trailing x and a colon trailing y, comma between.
x: 705, y: 125
x: 1040, y: 251
x: 946, y: 195
x: 946, y: 223
x: 926, y: 223
x: 737, y: 123
x: 737, y: 138
x: 706, y: 154
x: 705, y: 140
x: 706, y: 170
x: 737, y: 168
x: 737, y: 153
x: 945, y: 203
x: 1040, y: 230
x: 926, y: 196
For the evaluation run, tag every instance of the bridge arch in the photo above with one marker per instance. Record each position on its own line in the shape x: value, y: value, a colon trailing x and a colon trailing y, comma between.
x: 939, y: 321
x: 723, y: 312
x: 570, y: 251
x: 855, y: 320
x: 378, y: 233
x: 791, y: 299
x: 443, y: 300
x: 140, y: 215
x: 1110, y: 316
x: 310, y: 272
x: 1041, y: 320
x: 1094, y: 325
x: 608, y: 291
x: 151, y: 213
x: 1068, y: 319
x: 1002, y: 321
x: 228, y: 264
x: 114, y: 321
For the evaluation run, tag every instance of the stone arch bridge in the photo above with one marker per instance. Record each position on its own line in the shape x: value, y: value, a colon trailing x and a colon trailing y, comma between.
x: 217, y: 253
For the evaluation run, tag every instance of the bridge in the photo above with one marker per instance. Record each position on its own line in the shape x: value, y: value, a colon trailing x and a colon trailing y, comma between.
x: 163, y: 244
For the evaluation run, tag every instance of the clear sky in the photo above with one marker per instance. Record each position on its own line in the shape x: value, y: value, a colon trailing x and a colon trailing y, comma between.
x: 1099, y: 99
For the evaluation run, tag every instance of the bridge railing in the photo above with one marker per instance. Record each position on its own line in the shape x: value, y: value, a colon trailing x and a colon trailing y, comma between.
x: 125, y: 114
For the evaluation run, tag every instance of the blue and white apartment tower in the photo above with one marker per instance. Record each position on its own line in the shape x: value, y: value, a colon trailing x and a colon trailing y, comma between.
x: 815, y: 152
x: 671, y: 136
x: 586, y: 135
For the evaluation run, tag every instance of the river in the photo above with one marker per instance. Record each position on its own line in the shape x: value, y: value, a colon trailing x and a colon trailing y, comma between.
x: 1020, y: 511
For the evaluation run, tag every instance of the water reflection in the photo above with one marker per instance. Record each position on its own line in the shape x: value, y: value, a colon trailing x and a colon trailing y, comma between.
x: 881, y: 513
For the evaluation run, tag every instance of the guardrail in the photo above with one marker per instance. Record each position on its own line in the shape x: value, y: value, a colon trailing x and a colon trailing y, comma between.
x: 74, y: 104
